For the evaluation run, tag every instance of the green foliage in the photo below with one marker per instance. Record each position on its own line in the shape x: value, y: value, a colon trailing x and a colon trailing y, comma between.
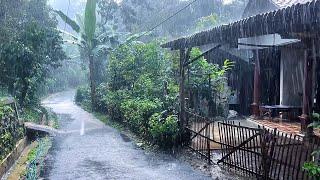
x: 10, y: 130
x: 32, y: 115
x: 113, y: 99
x: 82, y: 94
x: 31, y: 48
x: 201, y: 69
x: 140, y: 82
x: 315, y: 117
x: 6, y: 143
x: 90, y: 21
x: 6, y: 111
x: 95, y: 41
x: 207, y: 22
x: 69, y: 21
x: 313, y: 168
x: 36, y: 158
x: 210, y: 81
x: 137, y: 112
x: 164, y: 130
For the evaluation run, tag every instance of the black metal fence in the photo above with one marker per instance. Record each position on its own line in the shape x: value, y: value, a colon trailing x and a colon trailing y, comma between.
x: 257, y: 152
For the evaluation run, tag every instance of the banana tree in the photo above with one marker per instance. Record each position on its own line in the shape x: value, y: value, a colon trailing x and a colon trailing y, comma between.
x: 92, y: 42
x: 85, y: 39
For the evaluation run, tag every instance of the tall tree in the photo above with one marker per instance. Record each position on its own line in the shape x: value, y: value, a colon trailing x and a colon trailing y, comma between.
x: 94, y: 38
x: 29, y: 46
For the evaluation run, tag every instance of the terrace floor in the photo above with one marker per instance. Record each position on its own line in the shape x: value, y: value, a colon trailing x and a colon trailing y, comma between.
x: 283, y: 126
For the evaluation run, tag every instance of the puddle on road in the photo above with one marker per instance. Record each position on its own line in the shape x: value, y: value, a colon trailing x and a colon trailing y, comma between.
x: 125, y: 138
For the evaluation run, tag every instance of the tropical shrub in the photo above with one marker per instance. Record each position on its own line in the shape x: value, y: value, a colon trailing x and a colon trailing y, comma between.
x: 164, y: 130
x: 10, y: 130
x: 216, y: 88
x: 30, y: 45
x: 313, y: 167
x: 114, y: 99
x: 141, y: 81
x: 137, y: 112
x: 82, y: 95
x: 36, y: 158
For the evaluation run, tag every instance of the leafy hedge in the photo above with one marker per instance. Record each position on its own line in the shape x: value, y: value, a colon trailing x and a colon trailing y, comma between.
x: 10, y: 130
x: 139, y: 84
x: 141, y: 89
x: 137, y: 112
x: 164, y: 130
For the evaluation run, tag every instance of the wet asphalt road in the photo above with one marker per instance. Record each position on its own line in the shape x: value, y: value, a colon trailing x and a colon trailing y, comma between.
x: 91, y: 150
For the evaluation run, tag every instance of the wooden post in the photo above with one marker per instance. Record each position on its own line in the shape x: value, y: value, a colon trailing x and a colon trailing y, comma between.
x: 307, y: 96
x: 256, y: 92
x: 208, y: 144
x: 182, y: 87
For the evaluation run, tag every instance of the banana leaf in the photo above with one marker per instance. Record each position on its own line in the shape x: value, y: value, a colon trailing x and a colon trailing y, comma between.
x: 69, y: 21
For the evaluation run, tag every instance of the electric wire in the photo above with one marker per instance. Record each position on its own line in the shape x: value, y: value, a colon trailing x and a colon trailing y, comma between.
x: 167, y: 19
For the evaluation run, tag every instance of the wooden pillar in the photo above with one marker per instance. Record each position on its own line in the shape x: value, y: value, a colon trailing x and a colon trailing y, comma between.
x: 257, y: 87
x: 305, y: 118
x: 182, y: 87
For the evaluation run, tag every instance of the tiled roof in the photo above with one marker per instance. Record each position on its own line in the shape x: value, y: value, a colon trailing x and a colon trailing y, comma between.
x: 286, y: 3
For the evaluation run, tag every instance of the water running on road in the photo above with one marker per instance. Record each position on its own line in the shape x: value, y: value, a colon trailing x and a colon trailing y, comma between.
x: 91, y: 150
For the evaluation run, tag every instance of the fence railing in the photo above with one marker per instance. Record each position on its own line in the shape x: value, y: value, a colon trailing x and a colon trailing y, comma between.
x: 258, y: 152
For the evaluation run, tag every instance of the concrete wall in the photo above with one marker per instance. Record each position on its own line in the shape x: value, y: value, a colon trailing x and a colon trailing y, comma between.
x: 9, y: 161
x: 291, y: 76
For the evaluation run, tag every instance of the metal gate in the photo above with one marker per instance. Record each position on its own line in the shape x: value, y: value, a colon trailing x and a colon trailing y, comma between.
x: 265, y: 153
x: 254, y: 151
x: 202, y: 135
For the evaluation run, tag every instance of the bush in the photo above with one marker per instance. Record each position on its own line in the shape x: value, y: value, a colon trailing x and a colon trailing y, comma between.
x: 113, y: 100
x: 137, y: 113
x: 83, y: 95
x: 10, y: 130
x: 101, y: 100
x: 312, y: 169
x: 164, y: 130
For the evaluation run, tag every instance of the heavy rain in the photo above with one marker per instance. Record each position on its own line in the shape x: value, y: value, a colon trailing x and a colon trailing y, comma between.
x: 165, y: 89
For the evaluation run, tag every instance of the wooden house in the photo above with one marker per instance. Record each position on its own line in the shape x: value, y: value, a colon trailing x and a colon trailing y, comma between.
x: 282, y: 38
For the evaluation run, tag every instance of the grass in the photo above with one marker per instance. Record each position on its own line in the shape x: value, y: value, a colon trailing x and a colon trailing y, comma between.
x: 21, y: 165
x: 53, y: 119
x: 31, y: 115
x: 36, y: 157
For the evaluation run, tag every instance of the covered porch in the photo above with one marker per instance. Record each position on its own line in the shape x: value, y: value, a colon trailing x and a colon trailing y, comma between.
x: 292, y: 31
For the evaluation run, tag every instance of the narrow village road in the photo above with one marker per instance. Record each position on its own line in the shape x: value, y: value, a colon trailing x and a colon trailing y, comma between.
x: 91, y: 150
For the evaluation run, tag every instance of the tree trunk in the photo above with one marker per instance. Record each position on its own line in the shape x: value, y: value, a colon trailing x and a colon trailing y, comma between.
x: 24, y: 92
x: 92, y: 82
